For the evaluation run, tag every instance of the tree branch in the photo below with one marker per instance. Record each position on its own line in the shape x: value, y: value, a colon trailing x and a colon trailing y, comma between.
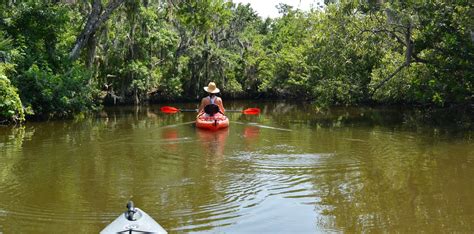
x: 419, y: 60
x: 375, y: 31
x: 388, y: 78
x: 95, y: 19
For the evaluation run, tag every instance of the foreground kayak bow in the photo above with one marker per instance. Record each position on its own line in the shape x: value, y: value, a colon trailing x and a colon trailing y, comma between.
x: 134, y: 220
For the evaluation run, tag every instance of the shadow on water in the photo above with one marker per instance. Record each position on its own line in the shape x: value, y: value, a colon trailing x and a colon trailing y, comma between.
x: 294, y: 168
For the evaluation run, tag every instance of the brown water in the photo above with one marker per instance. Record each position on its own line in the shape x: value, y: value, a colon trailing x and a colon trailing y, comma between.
x: 291, y: 169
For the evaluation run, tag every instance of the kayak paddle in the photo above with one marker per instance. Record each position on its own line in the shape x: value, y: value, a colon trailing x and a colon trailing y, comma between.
x: 250, y: 111
x: 172, y: 110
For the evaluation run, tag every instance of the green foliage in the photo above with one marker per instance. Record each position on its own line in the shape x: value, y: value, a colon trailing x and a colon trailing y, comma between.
x: 288, y: 71
x: 36, y: 28
x: 40, y: 36
x: 440, y: 66
x: 55, y: 95
x: 10, y: 103
x: 11, y: 109
x: 348, y: 53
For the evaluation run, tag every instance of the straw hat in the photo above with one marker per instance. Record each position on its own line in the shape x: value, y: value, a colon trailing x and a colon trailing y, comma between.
x: 211, y: 88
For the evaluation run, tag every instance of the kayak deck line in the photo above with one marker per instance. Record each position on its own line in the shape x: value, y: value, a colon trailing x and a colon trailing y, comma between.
x: 134, y: 220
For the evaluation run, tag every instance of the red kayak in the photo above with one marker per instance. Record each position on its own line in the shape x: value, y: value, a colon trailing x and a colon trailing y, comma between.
x: 213, y: 123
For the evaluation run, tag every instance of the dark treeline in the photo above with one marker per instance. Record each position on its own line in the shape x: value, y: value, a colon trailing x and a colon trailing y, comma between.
x: 67, y: 56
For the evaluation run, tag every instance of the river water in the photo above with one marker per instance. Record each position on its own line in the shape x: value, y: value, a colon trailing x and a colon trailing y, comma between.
x: 294, y: 168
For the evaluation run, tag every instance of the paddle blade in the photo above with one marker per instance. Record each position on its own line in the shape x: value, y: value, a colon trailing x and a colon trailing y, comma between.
x: 169, y: 109
x: 251, y: 111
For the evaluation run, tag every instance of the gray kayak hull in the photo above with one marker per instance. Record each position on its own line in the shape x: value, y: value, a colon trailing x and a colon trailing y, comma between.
x: 143, y: 224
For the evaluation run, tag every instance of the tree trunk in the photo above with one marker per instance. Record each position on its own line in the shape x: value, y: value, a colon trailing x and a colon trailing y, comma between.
x: 409, y: 45
x: 137, y: 99
x: 96, y: 18
x: 408, y: 57
x: 91, y: 49
x: 206, y: 59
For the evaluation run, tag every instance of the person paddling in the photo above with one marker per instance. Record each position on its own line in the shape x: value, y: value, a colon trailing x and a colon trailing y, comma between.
x: 212, y: 90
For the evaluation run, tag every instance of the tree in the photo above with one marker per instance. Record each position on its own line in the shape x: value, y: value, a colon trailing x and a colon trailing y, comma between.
x: 97, y: 17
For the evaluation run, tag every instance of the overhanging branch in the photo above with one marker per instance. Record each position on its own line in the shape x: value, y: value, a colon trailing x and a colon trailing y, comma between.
x: 96, y: 18
x: 379, y: 85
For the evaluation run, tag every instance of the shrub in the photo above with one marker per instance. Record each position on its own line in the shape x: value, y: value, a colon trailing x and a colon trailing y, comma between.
x: 11, y: 109
x: 54, y: 95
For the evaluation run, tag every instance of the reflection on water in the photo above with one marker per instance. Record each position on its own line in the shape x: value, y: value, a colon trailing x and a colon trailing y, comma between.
x: 293, y: 168
x: 212, y: 142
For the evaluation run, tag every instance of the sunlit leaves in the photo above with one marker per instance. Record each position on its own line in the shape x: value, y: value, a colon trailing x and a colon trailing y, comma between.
x: 339, y: 54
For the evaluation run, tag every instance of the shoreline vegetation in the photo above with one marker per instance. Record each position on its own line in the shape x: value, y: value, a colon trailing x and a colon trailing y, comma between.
x: 63, y: 57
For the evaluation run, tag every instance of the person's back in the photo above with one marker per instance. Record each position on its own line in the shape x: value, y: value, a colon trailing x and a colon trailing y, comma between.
x: 212, y: 98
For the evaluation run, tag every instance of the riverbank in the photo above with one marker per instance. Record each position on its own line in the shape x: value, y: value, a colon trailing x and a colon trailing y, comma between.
x: 340, y: 53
